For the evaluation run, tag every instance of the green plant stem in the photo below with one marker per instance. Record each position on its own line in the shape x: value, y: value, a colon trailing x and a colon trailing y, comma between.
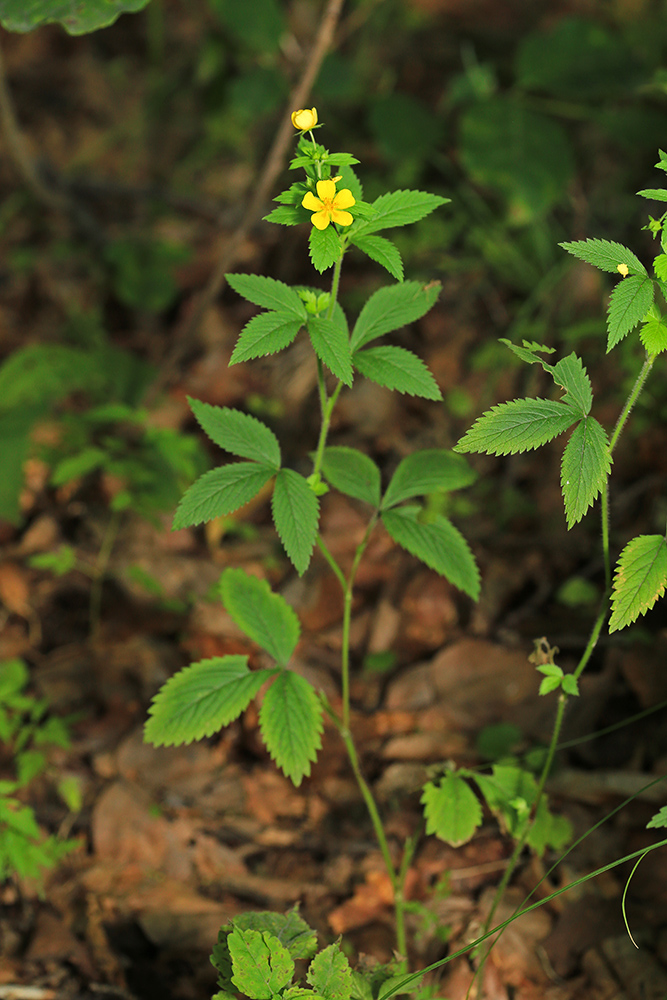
x: 101, y: 564
x: 631, y: 400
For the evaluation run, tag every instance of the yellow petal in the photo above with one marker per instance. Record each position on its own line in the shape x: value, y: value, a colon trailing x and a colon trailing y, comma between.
x: 321, y: 219
x: 312, y: 203
x: 341, y: 218
x: 326, y: 190
x: 304, y: 119
x: 344, y: 199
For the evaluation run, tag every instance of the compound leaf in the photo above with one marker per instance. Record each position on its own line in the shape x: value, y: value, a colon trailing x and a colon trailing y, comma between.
x: 584, y: 469
x: 640, y: 579
x: 295, y: 514
x: 353, y: 473
x: 261, y: 964
x: 628, y: 305
x: 515, y: 427
x: 451, y: 809
x: 265, y: 334
x: 330, y: 974
x: 268, y: 293
x: 221, y: 491
x: 238, y: 433
x: 392, y: 307
x: 202, y: 698
x: 437, y: 543
x: 605, y: 255
x: 396, y: 368
x: 570, y: 373
x: 265, y: 617
x: 290, y: 721
x: 382, y: 250
x: 399, y: 208
x: 331, y: 343
x: 426, y: 472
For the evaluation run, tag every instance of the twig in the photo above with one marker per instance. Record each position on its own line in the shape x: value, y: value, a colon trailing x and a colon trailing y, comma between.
x: 272, y: 167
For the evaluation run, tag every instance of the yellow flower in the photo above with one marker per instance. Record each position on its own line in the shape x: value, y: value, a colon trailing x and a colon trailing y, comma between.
x: 304, y: 119
x: 623, y: 269
x: 329, y: 205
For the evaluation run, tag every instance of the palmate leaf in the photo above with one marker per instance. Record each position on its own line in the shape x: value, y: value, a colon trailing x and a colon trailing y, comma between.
x: 517, y: 426
x: 437, y: 543
x: 295, y: 514
x: 426, y: 472
x: 202, y: 698
x: 382, y: 250
x: 265, y: 617
x: 584, y: 469
x: 290, y: 928
x: 605, y: 254
x: 628, y: 304
x: 451, y: 809
x: 640, y: 579
x: 353, y: 473
x: 238, y: 433
x: 330, y: 974
x: 265, y: 334
x: 392, y: 307
x: 290, y: 721
x: 399, y: 208
x: 396, y: 368
x: 268, y: 293
x: 331, y: 343
x: 76, y: 16
x: 325, y: 247
x: 221, y: 491
x: 261, y: 965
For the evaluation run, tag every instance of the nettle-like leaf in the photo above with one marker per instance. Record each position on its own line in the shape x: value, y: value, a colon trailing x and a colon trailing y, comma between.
x: 399, y: 208
x: 353, y: 473
x: 660, y: 266
x: 287, y: 215
x: 605, y: 255
x: 383, y: 251
x: 78, y: 17
x: 659, y: 821
x: 517, y: 426
x: 437, y: 543
x: 510, y: 792
x: 290, y: 721
x: 295, y: 514
x: 640, y: 579
x: 325, y: 247
x: 261, y: 965
x: 391, y: 308
x: 584, y: 469
x: 238, y: 433
x: 653, y: 332
x: 265, y: 334
x: 201, y: 699
x: 221, y: 491
x: 265, y: 617
x: 451, y: 809
x: 527, y: 352
x: 628, y: 305
x: 427, y: 471
x: 330, y: 974
x: 289, y: 928
x: 570, y: 373
x: 654, y: 194
x: 331, y: 342
x: 399, y: 369
x: 268, y: 293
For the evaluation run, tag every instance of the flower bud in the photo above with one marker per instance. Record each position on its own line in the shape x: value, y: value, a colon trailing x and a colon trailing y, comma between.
x: 304, y: 119
x: 623, y: 269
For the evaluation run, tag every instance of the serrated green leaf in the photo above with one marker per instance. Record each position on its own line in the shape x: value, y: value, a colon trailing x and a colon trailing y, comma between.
x: 653, y: 333
x: 201, y: 699
x: 396, y: 368
x: 570, y: 373
x: 605, y: 255
x: 261, y: 965
x: 658, y: 821
x: 353, y: 473
x: 290, y: 928
x: 549, y: 684
x: 584, y: 469
x: 331, y: 343
x: 570, y: 685
x: 290, y: 721
x: 654, y: 194
x: 78, y: 17
x: 640, y: 579
x: 286, y: 215
x: 265, y: 334
x: 325, y: 247
x: 265, y: 617
x: 517, y: 426
x: 382, y: 250
x: 509, y: 792
x: 330, y: 974
x: 268, y: 293
x: 426, y: 472
x: 238, y: 433
x: 295, y: 514
x: 527, y: 351
x: 399, y: 208
x: 391, y: 308
x: 437, y: 543
x: 660, y: 266
x: 628, y: 304
x: 221, y: 491
x: 451, y: 809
